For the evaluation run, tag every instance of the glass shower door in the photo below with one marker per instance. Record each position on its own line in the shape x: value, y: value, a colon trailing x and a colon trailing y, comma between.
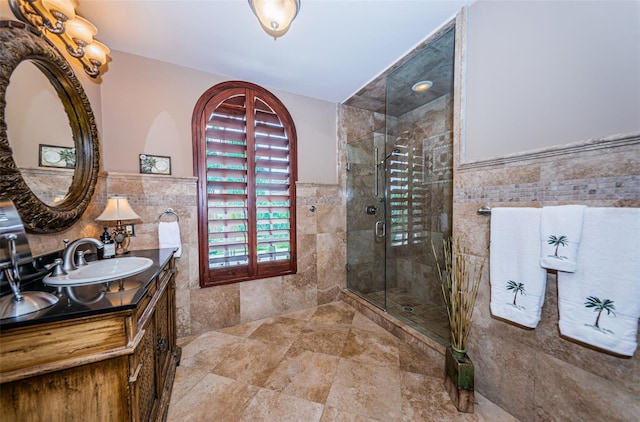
x: 419, y: 184
x: 366, y: 226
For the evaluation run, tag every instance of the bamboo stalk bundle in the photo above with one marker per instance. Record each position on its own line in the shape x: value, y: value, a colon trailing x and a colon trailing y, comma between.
x: 459, y: 290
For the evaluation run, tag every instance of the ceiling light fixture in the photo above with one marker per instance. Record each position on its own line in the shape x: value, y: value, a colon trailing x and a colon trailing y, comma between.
x: 422, y: 86
x: 275, y: 16
x: 57, y: 20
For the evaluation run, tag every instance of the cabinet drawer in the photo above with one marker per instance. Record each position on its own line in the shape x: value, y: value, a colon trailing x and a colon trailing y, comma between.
x: 60, y: 343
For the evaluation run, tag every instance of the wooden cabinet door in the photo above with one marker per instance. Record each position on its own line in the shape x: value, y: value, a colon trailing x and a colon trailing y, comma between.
x: 95, y: 392
x: 163, y: 318
x: 144, y: 380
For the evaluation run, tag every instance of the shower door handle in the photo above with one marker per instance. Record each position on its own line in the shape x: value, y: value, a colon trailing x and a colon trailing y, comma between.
x: 381, y: 229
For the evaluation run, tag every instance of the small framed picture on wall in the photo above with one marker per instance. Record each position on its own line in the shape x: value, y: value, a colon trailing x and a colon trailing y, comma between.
x: 155, y: 164
x: 55, y: 156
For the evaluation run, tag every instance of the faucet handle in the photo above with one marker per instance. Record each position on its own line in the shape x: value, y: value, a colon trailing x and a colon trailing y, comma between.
x: 57, y: 268
x: 80, y: 260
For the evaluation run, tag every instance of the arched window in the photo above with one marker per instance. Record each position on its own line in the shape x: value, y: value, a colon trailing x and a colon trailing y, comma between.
x: 244, y: 143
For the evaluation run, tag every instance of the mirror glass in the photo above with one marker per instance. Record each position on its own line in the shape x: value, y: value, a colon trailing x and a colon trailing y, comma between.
x: 35, y: 116
x: 49, y: 199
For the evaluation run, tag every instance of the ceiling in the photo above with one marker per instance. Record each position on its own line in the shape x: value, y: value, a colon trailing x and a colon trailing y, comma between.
x: 333, y: 48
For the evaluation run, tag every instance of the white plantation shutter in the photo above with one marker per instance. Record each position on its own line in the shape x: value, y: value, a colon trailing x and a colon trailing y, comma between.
x: 273, y: 185
x: 226, y: 170
x: 406, y: 197
x: 246, y: 167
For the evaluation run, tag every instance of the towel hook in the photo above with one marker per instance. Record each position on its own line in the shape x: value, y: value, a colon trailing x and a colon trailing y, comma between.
x: 484, y: 210
x: 169, y: 211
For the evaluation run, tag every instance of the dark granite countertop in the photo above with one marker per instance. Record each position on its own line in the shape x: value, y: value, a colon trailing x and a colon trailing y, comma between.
x: 82, y: 301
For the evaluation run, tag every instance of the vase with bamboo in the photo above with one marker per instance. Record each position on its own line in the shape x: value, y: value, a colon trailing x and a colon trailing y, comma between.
x: 459, y: 291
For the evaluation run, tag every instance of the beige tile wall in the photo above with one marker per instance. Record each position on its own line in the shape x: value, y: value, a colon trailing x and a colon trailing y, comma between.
x: 321, y: 250
x: 536, y: 374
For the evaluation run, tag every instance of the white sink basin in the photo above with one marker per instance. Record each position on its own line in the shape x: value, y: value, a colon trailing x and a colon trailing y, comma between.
x: 101, y: 271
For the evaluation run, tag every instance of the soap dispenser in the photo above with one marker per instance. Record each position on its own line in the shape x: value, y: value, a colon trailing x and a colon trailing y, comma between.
x: 109, y: 250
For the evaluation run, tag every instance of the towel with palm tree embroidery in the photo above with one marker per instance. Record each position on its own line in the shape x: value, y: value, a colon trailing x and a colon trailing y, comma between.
x: 561, y: 231
x: 518, y: 282
x: 599, y: 304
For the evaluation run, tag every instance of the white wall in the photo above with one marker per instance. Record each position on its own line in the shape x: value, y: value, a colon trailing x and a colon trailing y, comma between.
x: 5, y: 11
x: 147, y: 107
x: 544, y: 73
x: 34, y: 115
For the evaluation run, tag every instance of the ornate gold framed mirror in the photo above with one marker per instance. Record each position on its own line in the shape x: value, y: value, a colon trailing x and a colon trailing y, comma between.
x: 18, y: 43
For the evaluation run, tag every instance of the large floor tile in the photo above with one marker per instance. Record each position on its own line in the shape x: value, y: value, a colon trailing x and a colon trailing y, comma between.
x: 242, y: 330
x: 321, y: 338
x: 214, y: 398
x: 304, y: 374
x: 361, y: 322
x: 366, y: 390
x: 278, y: 330
x: 332, y: 414
x: 335, y: 313
x: 251, y: 362
x: 269, y: 406
x: 377, y: 349
x: 412, y: 360
x: 208, y: 350
x: 186, y: 378
x: 424, y: 399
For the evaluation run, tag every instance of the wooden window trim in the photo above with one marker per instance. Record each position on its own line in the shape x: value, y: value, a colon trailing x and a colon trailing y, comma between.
x: 210, y: 100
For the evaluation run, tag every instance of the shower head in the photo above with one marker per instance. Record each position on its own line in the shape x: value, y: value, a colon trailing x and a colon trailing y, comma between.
x: 394, y: 151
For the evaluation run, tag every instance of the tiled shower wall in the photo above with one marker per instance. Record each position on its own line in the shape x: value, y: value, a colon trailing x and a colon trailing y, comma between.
x: 321, y: 250
x: 535, y: 374
x: 427, y: 131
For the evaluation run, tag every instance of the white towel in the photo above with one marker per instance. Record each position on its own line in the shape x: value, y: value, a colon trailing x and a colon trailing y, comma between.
x: 169, y: 236
x: 599, y: 304
x: 517, y: 281
x: 561, y: 231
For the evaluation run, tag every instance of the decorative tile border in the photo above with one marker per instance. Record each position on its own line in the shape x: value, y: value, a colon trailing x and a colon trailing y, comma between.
x: 620, y: 188
x: 319, y: 194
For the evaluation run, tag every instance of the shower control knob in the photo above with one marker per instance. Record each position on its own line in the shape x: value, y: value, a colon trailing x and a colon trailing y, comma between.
x: 372, y: 210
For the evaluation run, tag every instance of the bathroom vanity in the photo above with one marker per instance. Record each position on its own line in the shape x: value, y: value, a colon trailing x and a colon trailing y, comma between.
x: 104, y: 352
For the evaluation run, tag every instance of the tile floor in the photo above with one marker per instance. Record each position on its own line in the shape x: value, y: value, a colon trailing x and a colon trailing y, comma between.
x: 328, y: 363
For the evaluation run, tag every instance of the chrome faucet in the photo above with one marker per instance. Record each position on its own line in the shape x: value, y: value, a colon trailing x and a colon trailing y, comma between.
x: 68, y: 263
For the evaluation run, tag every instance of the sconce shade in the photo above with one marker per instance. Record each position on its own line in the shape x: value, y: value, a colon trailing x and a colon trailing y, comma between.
x: 66, y: 7
x: 118, y: 209
x: 97, y: 52
x: 80, y: 29
x: 275, y: 16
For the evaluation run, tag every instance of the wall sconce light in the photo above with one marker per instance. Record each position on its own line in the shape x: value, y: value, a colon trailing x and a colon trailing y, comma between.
x: 118, y: 210
x: 57, y: 20
x: 275, y: 16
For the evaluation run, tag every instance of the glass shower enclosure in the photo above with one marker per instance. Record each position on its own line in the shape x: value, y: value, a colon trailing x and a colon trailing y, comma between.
x: 399, y: 193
